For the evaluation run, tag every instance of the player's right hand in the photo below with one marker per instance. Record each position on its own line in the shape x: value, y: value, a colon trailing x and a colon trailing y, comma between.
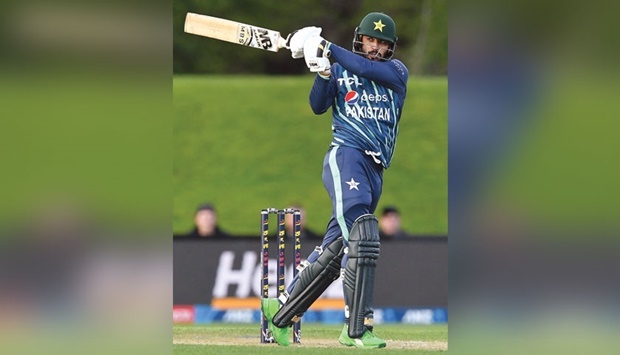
x: 316, y: 54
x: 296, y: 39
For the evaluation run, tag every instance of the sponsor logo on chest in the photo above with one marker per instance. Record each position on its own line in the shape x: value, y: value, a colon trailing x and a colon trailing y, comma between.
x: 353, y: 97
x: 349, y: 81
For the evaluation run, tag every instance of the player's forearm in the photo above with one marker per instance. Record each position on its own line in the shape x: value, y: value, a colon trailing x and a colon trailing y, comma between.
x: 320, y: 96
x: 354, y: 63
x: 381, y: 72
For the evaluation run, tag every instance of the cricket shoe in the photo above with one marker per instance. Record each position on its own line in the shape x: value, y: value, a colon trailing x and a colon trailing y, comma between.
x: 367, y: 341
x: 270, y: 307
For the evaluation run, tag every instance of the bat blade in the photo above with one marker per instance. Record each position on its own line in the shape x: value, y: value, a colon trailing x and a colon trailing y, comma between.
x: 234, y: 32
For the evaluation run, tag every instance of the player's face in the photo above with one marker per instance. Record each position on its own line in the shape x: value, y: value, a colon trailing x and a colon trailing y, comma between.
x: 374, y: 48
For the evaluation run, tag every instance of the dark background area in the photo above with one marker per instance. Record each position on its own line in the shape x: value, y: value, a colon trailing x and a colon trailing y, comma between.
x: 421, y: 281
x: 420, y: 25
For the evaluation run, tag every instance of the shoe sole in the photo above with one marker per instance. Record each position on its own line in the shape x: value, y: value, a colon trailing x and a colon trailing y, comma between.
x: 345, y: 343
x: 360, y: 345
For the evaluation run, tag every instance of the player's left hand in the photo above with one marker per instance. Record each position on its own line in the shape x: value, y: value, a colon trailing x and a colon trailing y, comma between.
x: 296, y: 39
x: 316, y: 52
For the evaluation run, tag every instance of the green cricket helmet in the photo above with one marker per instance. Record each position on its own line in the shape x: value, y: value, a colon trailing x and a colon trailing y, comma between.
x: 377, y: 25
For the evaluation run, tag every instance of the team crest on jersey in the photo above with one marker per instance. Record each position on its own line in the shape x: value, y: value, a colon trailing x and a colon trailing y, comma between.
x: 352, y: 97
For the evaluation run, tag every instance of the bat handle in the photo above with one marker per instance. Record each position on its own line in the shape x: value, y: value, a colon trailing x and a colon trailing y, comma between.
x: 281, y: 43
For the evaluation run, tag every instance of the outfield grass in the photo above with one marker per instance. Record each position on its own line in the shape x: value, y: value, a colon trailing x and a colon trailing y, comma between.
x: 316, y: 339
x: 250, y: 142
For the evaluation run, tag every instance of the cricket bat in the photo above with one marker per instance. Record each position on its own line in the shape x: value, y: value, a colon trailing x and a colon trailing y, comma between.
x: 234, y: 32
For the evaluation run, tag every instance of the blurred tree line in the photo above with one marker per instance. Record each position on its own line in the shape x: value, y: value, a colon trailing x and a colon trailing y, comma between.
x: 421, y: 26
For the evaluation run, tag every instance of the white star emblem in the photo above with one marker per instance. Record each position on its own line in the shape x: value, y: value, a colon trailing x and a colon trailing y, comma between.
x: 352, y: 184
x: 379, y: 25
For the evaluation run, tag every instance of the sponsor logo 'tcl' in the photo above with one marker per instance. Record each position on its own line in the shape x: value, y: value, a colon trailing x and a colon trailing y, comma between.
x: 348, y: 81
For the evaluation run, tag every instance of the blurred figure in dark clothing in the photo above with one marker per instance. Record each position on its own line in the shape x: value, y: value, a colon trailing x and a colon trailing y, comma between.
x: 389, y: 224
x: 205, y: 222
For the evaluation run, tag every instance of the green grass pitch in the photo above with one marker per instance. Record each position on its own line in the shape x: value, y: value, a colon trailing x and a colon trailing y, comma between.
x: 316, y: 339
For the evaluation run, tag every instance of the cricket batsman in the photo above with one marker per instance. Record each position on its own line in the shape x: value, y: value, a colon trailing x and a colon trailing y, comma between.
x: 366, y: 90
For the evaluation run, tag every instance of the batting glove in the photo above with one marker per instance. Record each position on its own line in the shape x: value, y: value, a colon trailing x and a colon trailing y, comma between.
x: 316, y: 52
x: 296, y: 39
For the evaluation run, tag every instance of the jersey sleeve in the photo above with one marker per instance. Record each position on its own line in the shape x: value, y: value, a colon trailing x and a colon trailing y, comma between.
x: 322, y: 94
x: 392, y: 74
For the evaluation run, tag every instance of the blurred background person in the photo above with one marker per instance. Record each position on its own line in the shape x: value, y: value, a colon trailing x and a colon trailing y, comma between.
x: 389, y: 224
x: 205, y: 223
x: 305, y: 232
